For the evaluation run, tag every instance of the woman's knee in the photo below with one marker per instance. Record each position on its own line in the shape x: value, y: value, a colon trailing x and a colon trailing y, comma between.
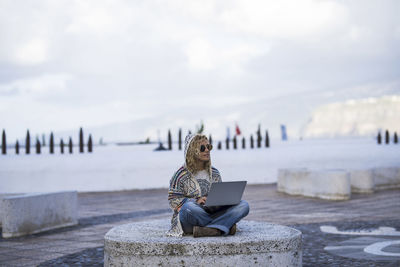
x: 191, y: 212
x: 244, y: 207
x: 191, y: 207
x: 185, y: 212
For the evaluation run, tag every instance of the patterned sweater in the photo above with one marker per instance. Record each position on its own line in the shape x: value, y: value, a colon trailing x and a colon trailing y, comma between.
x: 184, y: 186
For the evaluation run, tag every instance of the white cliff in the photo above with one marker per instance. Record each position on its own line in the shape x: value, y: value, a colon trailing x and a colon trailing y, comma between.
x: 363, y: 117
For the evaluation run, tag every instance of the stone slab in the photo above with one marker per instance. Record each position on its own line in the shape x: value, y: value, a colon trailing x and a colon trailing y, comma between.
x: 255, y: 244
x: 33, y: 213
x: 325, y: 184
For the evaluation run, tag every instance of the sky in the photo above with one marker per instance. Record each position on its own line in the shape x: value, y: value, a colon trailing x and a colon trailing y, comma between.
x: 166, y: 64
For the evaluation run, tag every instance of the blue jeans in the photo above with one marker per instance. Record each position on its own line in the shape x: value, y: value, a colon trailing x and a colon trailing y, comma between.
x: 192, y: 214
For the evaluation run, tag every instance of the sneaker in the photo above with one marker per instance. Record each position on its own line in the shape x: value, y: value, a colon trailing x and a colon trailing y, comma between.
x: 232, y: 231
x: 199, y: 231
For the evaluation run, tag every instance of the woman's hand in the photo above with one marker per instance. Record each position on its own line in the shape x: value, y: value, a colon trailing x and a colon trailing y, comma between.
x: 201, y: 200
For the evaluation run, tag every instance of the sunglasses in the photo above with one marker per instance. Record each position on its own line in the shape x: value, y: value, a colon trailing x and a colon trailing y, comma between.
x: 203, y: 147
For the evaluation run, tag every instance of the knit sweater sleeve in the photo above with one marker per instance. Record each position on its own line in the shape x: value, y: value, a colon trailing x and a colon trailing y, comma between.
x: 216, y: 176
x: 176, y: 194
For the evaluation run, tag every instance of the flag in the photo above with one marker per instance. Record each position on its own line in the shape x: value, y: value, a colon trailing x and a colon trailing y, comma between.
x: 238, y: 132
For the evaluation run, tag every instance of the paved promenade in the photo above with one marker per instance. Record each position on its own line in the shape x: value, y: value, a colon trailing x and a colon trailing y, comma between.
x: 352, y: 221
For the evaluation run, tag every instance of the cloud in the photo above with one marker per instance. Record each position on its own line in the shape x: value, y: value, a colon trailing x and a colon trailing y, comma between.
x: 46, y: 84
x: 99, y: 61
x: 206, y: 55
x: 32, y: 52
x: 285, y: 19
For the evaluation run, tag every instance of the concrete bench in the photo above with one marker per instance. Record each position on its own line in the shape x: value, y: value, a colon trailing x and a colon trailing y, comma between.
x: 386, y: 178
x: 1, y: 202
x: 33, y: 213
x: 325, y: 184
x: 362, y: 181
x: 255, y: 244
x: 370, y: 180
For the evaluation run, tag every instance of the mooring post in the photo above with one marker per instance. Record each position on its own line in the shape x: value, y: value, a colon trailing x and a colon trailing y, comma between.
x: 266, y: 139
x: 387, y: 138
x: 259, y: 138
x: 3, y: 143
x: 61, y: 146
x: 180, y: 139
x: 169, y: 140
x: 28, y: 143
x: 70, y: 145
x: 90, y: 144
x: 51, y: 143
x: 81, y: 140
x: 17, y: 147
x: 37, y: 146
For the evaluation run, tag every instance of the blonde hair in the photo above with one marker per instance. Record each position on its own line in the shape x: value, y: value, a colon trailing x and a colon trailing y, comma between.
x: 192, y: 154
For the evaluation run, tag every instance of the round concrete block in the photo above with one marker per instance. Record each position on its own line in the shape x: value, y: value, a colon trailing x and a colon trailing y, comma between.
x: 255, y: 244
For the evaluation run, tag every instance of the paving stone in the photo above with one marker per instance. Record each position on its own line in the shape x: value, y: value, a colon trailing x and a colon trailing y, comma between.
x: 62, y: 249
x: 314, y: 242
x: 87, y: 257
x: 7, y: 257
x: 9, y: 244
x: 36, y: 254
x: 21, y: 262
x: 266, y: 204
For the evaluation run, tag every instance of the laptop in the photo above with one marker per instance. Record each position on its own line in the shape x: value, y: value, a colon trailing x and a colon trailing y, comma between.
x: 225, y: 193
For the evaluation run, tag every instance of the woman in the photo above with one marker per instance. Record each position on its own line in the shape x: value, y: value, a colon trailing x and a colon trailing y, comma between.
x: 188, y: 192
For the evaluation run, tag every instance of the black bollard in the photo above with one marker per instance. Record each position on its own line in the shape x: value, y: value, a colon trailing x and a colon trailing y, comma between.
x: 379, y: 138
x: 37, y: 146
x: 16, y: 147
x: 28, y: 143
x: 180, y: 139
x: 251, y: 142
x: 234, y: 142
x: 266, y: 139
x: 90, y: 144
x: 210, y: 139
x: 51, y: 143
x: 227, y: 143
x: 259, y: 138
x: 81, y: 140
x: 395, y: 139
x: 3, y: 143
x: 219, y: 145
x: 244, y: 143
x: 387, y: 137
x: 61, y: 146
x: 169, y: 140
x: 70, y: 145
